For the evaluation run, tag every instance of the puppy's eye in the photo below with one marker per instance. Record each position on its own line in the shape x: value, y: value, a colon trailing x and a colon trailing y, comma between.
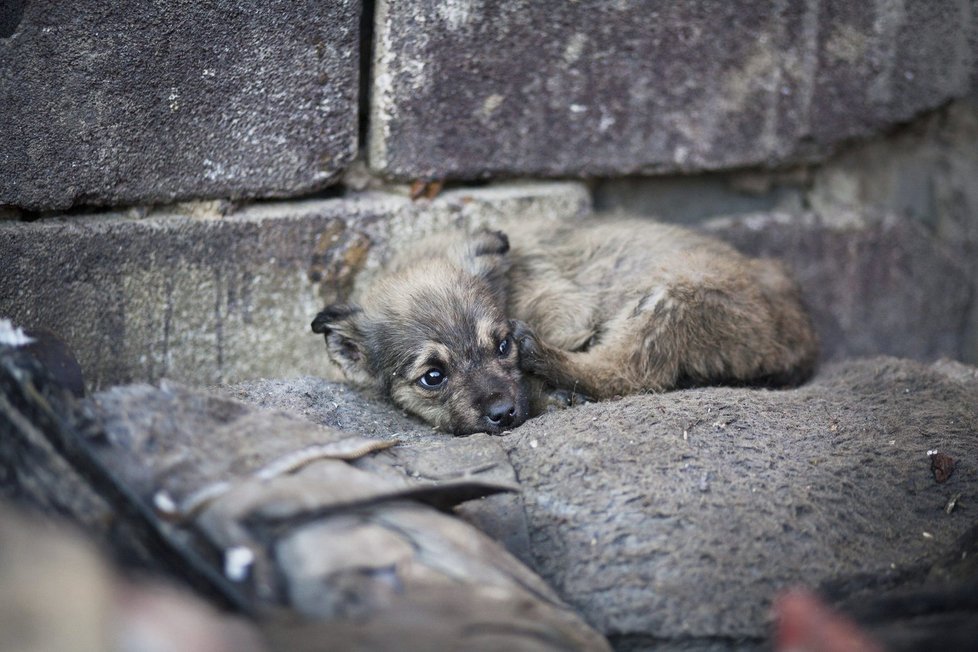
x: 433, y: 378
x: 504, y: 346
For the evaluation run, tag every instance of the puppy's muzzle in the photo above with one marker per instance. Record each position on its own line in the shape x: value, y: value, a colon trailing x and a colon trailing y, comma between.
x: 500, y: 413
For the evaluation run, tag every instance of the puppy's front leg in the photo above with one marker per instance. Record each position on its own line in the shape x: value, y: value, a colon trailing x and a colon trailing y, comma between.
x: 552, y: 365
x: 539, y: 362
x: 615, y: 367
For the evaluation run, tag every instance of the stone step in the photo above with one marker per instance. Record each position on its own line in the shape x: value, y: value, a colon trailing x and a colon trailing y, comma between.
x: 206, y: 298
x: 209, y: 298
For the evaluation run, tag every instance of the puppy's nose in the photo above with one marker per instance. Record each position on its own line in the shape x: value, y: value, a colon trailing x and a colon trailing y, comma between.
x: 501, y: 412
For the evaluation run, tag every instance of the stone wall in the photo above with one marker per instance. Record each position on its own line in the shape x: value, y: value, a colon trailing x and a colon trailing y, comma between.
x: 140, y: 143
x: 184, y: 185
x: 473, y: 89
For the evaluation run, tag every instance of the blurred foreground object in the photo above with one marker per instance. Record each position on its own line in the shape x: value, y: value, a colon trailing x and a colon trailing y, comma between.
x: 806, y: 624
x: 57, y: 594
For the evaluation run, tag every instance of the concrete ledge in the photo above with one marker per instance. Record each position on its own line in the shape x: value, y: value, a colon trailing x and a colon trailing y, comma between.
x: 207, y: 299
x: 215, y: 299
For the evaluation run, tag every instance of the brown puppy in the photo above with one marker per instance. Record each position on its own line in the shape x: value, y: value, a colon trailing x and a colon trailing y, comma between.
x: 474, y: 336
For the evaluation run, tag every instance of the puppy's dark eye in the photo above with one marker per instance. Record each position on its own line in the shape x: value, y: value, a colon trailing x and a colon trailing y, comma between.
x: 433, y: 378
x: 504, y: 347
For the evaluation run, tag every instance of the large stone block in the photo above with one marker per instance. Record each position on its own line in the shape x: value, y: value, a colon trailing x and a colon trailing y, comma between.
x: 672, y: 520
x: 208, y: 299
x: 470, y: 89
x: 113, y: 103
x: 677, y: 517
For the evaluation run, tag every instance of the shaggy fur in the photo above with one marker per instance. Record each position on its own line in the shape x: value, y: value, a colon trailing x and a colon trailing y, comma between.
x: 474, y: 336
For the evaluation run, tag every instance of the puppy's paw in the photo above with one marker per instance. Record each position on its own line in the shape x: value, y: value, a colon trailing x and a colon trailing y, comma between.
x: 523, y: 335
x: 531, y: 351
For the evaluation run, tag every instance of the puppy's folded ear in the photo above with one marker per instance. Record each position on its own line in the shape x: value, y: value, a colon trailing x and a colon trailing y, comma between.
x: 340, y: 325
x: 487, y: 242
x: 332, y: 317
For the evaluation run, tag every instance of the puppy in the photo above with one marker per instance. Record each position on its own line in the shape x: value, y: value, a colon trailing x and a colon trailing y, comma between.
x: 474, y: 335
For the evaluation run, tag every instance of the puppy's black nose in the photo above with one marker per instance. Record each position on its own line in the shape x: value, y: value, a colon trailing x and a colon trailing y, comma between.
x: 501, y: 412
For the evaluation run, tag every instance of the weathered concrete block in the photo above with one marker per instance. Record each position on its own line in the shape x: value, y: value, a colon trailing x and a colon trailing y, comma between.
x: 672, y: 520
x: 470, y: 89
x: 923, y: 172
x: 209, y: 299
x: 679, y: 516
x: 874, y: 283
x: 109, y: 103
